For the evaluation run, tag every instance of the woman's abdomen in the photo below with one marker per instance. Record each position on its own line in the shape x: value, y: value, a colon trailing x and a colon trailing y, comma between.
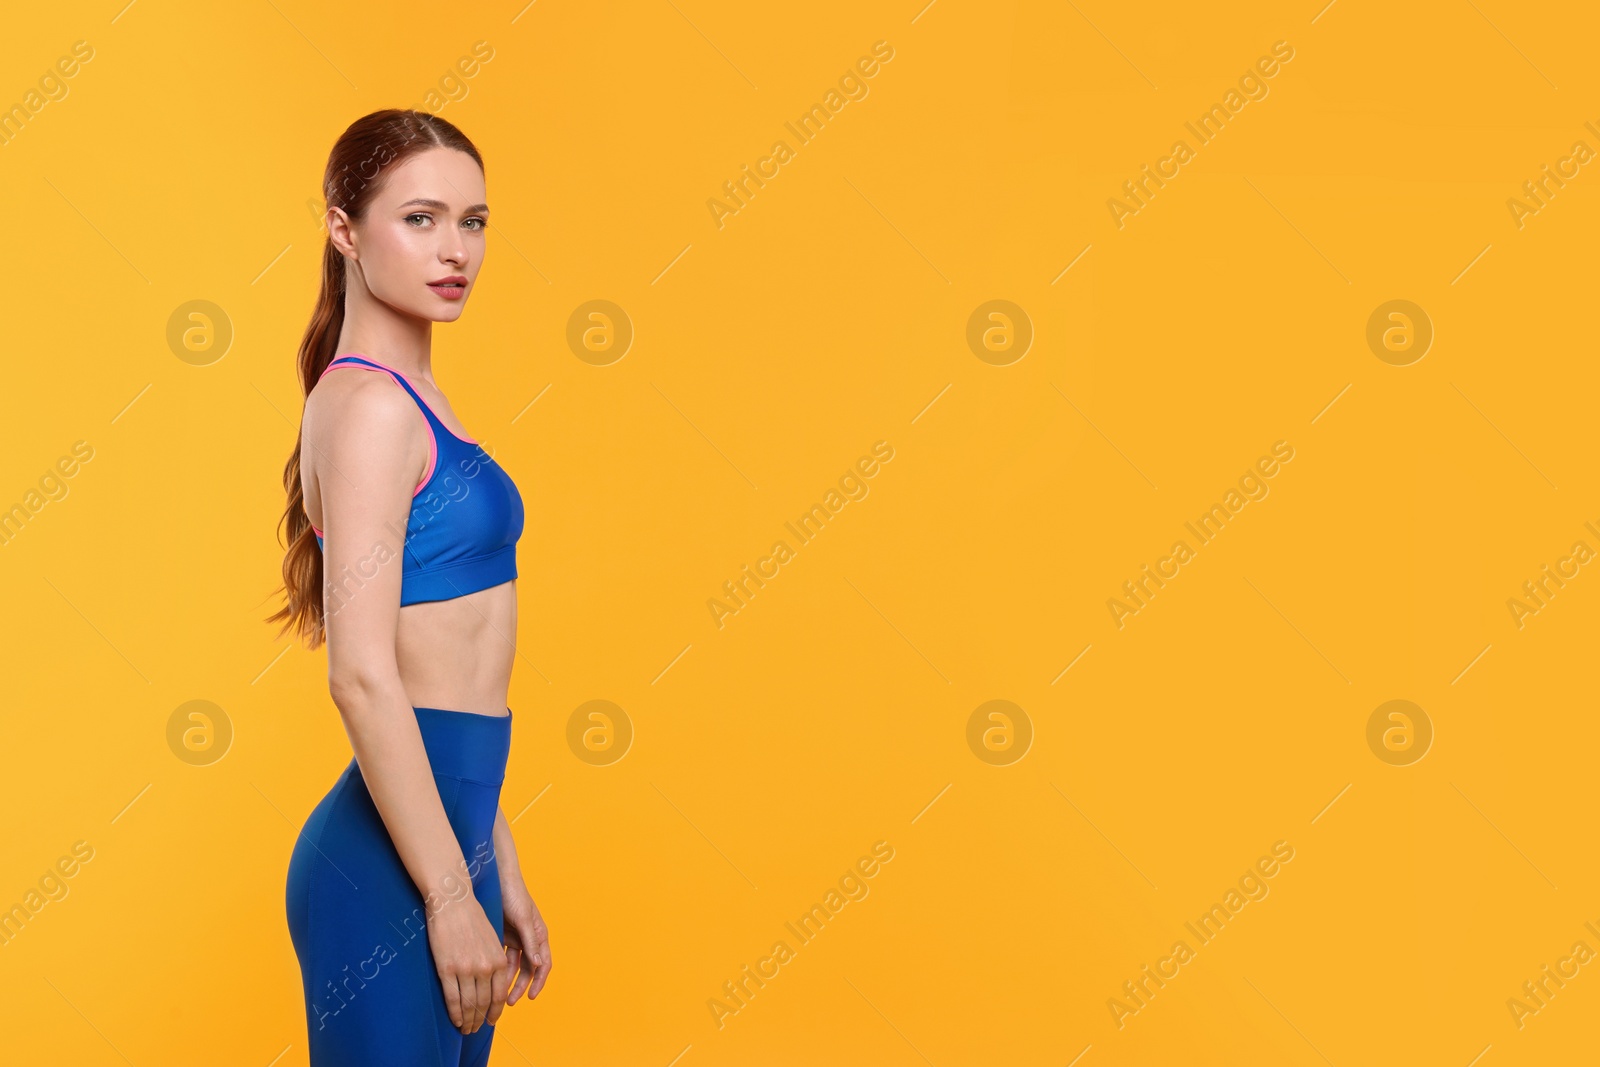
x: 458, y: 653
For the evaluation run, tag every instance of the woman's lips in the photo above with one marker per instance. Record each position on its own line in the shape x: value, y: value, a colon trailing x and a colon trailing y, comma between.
x: 449, y: 290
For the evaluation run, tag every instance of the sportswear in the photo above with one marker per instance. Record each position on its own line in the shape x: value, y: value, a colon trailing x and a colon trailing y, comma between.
x: 358, y: 922
x: 466, y: 515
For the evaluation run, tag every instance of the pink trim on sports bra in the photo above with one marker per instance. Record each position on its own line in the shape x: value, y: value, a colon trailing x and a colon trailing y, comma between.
x: 433, y: 441
x: 407, y: 377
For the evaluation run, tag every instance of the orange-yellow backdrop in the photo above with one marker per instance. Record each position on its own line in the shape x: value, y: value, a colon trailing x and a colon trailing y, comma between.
x: 1143, y: 761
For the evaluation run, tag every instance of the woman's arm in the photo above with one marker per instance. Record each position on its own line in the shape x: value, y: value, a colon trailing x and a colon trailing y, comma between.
x: 505, y: 849
x: 527, y: 939
x: 367, y: 464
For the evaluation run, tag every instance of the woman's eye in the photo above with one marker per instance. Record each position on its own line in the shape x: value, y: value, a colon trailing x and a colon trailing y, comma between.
x: 416, y: 215
x: 481, y: 222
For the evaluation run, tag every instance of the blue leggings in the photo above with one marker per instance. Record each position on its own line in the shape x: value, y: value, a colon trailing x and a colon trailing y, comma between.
x: 358, y: 922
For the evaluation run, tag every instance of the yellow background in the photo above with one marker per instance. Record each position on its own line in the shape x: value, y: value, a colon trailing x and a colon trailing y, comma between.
x: 832, y: 711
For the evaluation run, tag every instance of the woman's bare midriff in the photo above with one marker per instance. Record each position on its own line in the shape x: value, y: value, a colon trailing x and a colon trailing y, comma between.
x: 456, y: 654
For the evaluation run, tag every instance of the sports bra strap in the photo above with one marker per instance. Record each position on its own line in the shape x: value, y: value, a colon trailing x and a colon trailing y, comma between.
x: 428, y: 416
x: 370, y: 364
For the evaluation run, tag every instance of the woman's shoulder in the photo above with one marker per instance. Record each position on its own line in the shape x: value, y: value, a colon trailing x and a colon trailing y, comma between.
x: 375, y: 405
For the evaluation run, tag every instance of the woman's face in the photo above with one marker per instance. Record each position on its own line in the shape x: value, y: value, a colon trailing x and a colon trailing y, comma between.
x: 424, y: 226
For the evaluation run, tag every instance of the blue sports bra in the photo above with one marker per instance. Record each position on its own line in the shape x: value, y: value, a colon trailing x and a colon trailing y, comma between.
x: 466, y: 514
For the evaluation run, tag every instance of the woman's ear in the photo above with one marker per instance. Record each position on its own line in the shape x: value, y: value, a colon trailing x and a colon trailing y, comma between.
x: 341, y: 232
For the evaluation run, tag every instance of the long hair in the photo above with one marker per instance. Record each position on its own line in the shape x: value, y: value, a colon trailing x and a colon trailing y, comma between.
x: 356, y: 165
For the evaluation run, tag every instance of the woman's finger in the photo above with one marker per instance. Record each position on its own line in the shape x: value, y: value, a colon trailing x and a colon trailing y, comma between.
x: 485, y: 984
x: 513, y: 963
x: 521, y: 967
x: 536, y: 956
x: 452, y: 998
x: 485, y: 997
x: 470, y: 1011
x: 542, y: 962
x: 538, y: 981
x: 499, y: 980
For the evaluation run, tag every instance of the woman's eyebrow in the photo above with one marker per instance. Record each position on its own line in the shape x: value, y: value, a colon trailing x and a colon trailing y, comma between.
x: 441, y: 205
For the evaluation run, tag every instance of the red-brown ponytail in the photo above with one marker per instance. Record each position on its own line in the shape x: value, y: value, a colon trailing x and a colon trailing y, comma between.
x: 357, y: 163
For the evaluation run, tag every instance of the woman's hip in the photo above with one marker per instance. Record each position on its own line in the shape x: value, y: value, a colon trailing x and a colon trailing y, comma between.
x: 345, y: 850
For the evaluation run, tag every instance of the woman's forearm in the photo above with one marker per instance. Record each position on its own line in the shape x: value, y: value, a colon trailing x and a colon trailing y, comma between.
x: 505, y: 849
x: 388, y: 748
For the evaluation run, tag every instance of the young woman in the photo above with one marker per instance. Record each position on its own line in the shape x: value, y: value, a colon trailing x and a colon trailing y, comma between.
x: 406, y: 902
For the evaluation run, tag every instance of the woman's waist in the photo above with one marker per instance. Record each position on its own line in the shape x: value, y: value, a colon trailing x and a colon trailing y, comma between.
x: 466, y: 744
x: 471, y: 637
x: 461, y: 661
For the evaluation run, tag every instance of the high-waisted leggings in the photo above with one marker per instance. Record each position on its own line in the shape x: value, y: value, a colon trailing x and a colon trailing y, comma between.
x: 358, y: 922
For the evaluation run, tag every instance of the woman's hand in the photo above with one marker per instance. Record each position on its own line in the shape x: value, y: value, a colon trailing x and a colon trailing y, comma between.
x: 470, y: 961
x: 527, y: 939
